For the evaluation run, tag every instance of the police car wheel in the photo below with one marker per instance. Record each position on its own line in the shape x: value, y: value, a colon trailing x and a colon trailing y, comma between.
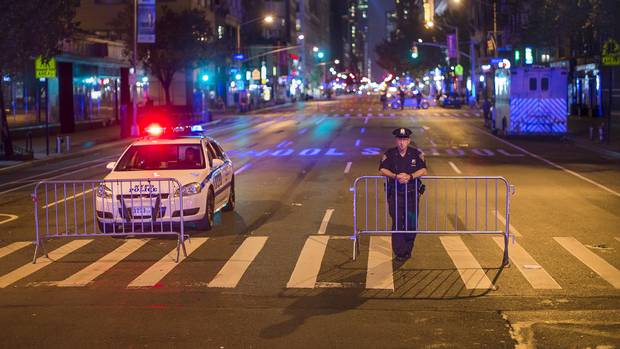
x: 207, y: 222
x: 230, y: 206
x: 108, y: 228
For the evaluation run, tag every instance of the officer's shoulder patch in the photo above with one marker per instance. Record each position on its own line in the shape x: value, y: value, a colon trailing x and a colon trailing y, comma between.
x: 384, y: 157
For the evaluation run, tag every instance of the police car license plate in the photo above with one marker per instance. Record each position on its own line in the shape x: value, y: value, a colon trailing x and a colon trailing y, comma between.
x: 141, y: 211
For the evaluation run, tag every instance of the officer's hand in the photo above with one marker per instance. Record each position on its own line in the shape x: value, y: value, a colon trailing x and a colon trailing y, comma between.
x: 403, y: 178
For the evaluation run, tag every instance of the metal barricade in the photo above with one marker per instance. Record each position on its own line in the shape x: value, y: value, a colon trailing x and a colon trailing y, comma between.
x: 443, y: 205
x: 117, y: 208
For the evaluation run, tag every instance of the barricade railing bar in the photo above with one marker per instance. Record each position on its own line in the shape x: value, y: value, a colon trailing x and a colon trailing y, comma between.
x: 432, y: 205
x: 117, y: 207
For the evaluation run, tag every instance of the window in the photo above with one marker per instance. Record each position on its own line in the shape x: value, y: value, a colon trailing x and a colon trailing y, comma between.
x: 162, y: 157
x: 544, y: 84
x: 533, y: 84
x: 218, y: 151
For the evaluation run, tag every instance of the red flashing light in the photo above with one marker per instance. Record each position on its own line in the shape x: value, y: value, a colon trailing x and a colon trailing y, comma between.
x: 154, y: 130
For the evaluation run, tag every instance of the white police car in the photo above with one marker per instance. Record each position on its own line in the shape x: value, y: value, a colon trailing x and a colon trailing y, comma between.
x: 135, y: 193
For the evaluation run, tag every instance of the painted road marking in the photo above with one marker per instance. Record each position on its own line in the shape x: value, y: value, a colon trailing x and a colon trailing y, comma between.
x: 605, y: 270
x: 68, y: 198
x: 529, y: 268
x: 7, y: 250
x: 31, y: 268
x: 513, y: 230
x: 468, y: 267
x: 243, y: 168
x: 309, y: 263
x: 159, y: 270
x: 11, y: 217
x: 366, y: 120
x: 426, y: 128
x: 347, y: 168
x: 379, y: 272
x: 456, y: 169
x: 357, y: 142
x: 105, y: 263
x: 232, y: 272
x: 551, y: 163
x: 326, y: 218
x: 363, y: 130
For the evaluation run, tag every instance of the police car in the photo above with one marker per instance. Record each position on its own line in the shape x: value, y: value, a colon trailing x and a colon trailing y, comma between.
x: 135, y: 192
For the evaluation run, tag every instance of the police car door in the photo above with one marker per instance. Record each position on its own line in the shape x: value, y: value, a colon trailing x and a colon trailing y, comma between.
x: 218, y: 178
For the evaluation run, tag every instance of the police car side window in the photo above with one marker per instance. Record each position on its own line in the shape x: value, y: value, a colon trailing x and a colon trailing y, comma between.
x: 218, y: 150
x: 209, y: 154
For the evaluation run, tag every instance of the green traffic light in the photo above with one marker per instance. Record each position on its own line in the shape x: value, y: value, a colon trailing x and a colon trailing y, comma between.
x: 517, y: 55
x: 321, y: 55
x: 414, y: 55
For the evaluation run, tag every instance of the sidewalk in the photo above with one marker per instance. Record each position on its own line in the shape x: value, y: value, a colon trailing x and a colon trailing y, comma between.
x: 579, y: 131
x: 91, y: 139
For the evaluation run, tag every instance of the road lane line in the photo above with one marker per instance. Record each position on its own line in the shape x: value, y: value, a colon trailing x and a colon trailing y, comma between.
x: 617, y: 239
x: 326, y: 218
x: 600, y: 266
x: 347, y: 169
x: 11, y: 218
x: 105, y: 263
x: 366, y: 120
x: 537, y: 277
x: 232, y: 272
x: 503, y: 220
x: 42, y: 262
x: 159, y: 270
x: 379, y: 271
x: 243, y: 168
x: 363, y: 130
x: 7, y: 250
x: 468, y: 267
x: 309, y: 263
x: 553, y: 164
x: 68, y: 198
x: 456, y: 169
x: 426, y: 128
x: 357, y: 142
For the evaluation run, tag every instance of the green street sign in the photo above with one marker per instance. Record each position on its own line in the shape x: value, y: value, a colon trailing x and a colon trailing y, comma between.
x: 45, y: 70
x: 611, y: 53
x: 458, y: 70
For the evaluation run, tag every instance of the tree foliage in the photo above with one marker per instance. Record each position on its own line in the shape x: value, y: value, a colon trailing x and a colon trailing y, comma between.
x: 30, y: 28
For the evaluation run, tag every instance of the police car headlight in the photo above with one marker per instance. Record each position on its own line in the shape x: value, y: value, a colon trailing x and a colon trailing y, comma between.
x: 189, y: 189
x: 104, y: 192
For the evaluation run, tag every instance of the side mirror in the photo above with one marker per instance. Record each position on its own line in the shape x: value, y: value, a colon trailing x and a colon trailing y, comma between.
x: 217, y: 163
x: 110, y: 165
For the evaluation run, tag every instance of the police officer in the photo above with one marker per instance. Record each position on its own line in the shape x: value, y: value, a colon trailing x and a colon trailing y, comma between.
x: 403, y: 165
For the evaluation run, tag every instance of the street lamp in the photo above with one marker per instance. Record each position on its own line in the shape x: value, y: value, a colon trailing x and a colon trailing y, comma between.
x: 267, y: 19
x: 337, y: 61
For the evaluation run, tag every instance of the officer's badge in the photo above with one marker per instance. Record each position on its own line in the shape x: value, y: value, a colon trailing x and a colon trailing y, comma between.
x: 402, y: 131
x: 413, y: 162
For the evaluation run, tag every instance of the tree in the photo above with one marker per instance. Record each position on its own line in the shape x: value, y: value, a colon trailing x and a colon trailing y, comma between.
x: 29, y: 31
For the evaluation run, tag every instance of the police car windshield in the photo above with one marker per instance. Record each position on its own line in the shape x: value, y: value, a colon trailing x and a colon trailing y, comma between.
x: 162, y: 157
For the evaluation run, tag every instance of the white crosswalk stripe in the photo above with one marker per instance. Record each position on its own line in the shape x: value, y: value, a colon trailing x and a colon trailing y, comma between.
x: 159, y: 270
x: 42, y: 262
x: 7, y: 250
x: 105, y: 263
x: 605, y: 270
x: 232, y: 272
x: 469, y: 269
x: 379, y: 274
x: 527, y: 265
x: 309, y: 263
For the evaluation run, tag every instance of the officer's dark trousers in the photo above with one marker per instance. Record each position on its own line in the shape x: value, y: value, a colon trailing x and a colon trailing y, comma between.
x: 402, y: 209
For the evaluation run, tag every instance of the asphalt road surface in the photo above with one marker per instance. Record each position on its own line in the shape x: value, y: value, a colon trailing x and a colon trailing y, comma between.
x: 278, y: 271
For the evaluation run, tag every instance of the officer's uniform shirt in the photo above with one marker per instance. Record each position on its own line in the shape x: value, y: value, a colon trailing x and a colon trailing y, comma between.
x: 410, y: 163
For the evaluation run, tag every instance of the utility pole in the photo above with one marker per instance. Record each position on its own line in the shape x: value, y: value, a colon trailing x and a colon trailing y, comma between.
x: 132, y: 80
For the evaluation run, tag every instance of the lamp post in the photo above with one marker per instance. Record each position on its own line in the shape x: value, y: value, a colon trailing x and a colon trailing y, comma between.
x: 267, y: 19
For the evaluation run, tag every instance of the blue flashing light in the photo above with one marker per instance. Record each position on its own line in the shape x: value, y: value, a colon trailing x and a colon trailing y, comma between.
x: 197, y: 128
x: 239, y: 57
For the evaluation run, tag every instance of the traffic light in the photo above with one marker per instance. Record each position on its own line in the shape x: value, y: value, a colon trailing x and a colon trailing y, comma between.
x: 414, y: 52
x: 517, y: 56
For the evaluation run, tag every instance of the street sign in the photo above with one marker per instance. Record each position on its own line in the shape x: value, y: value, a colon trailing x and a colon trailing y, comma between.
x: 255, y: 74
x: 452, y: 49
x: 611, y: 53
x: 45, y: 70
x: 146, y: 21
x: 238, y: 57
x: 458, y: 70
